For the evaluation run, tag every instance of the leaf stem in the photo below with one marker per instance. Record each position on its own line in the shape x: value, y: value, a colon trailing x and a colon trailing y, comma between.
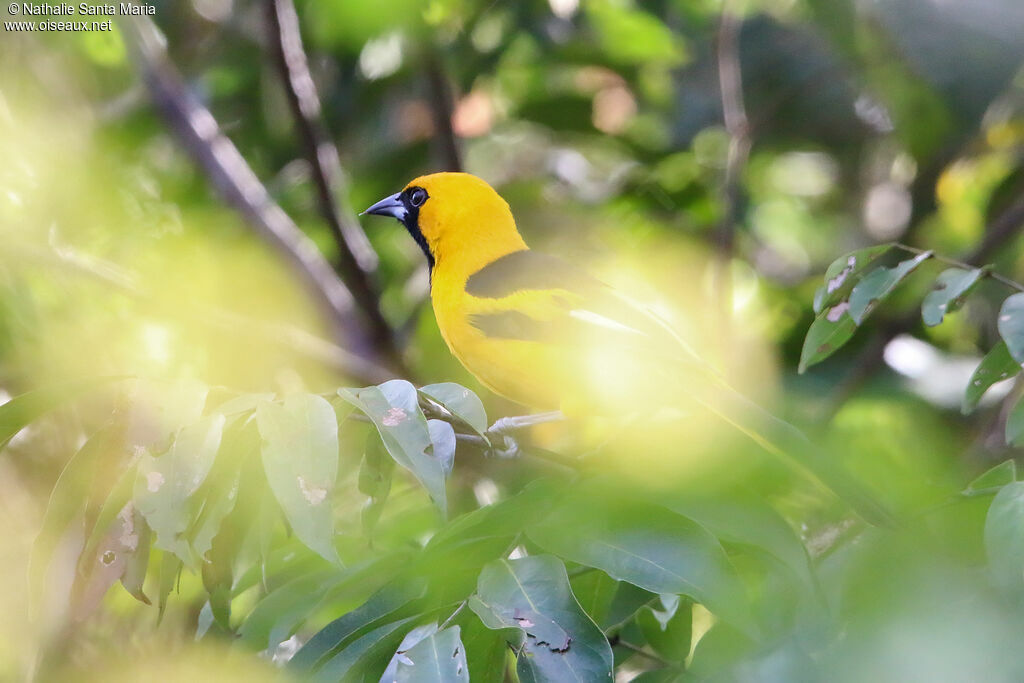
x: 1012, y: 284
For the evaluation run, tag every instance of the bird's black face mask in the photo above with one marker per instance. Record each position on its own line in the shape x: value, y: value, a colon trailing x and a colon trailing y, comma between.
x: 405, y: 206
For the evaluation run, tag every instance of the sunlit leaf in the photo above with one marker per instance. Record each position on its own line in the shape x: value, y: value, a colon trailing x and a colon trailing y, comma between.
x: 1011, y: 325
x: 1002, y: 474
x: 409, y: 641
x: 948, y: 293
x: 68, y: 499
x: 646, y: 545
x: 394, y: 409
x: 352, y: 662
x: 996, y: 366
x: 559, y: 641
x: 165, y: 484
x: 300, y: 456
x: 878, y: 284
x: 843, y: 273
x: 1004, y: 535
x: 629, y: 35
x: 460, y: 402
x: 830, y: 330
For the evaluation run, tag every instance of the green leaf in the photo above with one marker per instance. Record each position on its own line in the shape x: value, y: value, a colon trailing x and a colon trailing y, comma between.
x: 628, y: 35
x: 1011, y: 325
x: 385, y: 602
x: 375, y: 473
x: 350, y: 663
x: 67, y: 501
x: 164, y: 485
x: 878, y: 284
x: 300, y: 456
x: 486, y: 649
x: 646, y: 545
x: 749, y: 522
x: 532, y: 594
x: 1015, y: 424
x: 460, y: 402
x: 17, y: 413
x: 948, y: 294
x: 393, y: 408
x: 1004, y: 536
x: 668, y: 630
x: 438, y: 658
x: 996, y: 366
x: 829, y: 331
x: 996, y: 477
x: 843, y: 273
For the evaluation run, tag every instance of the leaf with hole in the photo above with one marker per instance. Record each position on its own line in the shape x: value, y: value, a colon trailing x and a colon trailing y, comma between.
x: 438, y: 658
x: 996, y: 366
x: 164, y: 485
x: 300, y: 456
x: 878, y: 284
x: 830, y: 330
x: 532, y: 595
x: 948, y: 293
x: 393, y: 407
x: 843, y: 273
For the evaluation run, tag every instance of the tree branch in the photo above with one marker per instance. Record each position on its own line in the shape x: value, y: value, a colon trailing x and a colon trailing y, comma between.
x: 734, y: 114
x: 440, y: 96
x: 228, y: 172
x: 356, y: 258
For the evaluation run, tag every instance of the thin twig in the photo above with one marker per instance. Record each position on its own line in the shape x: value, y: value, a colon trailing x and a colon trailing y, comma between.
x: 619, y: 642
x: 198, y: 132
x: 356, y: 258
x: 734, y: 114
x: 963, y: 264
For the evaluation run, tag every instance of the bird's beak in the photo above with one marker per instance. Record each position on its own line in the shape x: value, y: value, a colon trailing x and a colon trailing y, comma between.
x: 389, y: 206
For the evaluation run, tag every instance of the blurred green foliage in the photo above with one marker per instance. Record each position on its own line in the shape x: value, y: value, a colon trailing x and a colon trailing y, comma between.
x: 258, y: 507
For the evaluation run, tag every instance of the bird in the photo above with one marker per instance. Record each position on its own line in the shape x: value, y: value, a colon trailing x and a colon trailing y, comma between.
x: 541, y: 331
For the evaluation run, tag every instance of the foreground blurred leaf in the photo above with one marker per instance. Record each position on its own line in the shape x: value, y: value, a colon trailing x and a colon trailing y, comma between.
x: 843, y: 273
x: 532, y: 594
x: 68, y: 500
x: 1004, y: 536
x: 374, y: 480
x: 879, y: 284
x: 996, y: 366
x: 460, y: 402
x: 393, y: 407
x: 17, y: 413
x: 1011, y: 325
x: 948, y: 293
x: 300, y: 456
x: 749, y: 522
x: 164, y: 484
x: 830, y: 330
x: 646, y: 545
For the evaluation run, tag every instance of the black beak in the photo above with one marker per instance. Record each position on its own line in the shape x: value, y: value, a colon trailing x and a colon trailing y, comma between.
x: 389, y: 206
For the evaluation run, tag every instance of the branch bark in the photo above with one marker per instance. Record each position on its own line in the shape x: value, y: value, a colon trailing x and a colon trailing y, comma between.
x: 233, y: 179
x: 441, y: 97
x: 356, y: 259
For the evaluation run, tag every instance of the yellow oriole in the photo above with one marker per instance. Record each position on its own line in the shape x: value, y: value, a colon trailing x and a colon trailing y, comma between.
x: 545, y: 334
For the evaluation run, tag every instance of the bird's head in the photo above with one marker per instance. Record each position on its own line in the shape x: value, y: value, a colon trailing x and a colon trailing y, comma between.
x: 453, y: 213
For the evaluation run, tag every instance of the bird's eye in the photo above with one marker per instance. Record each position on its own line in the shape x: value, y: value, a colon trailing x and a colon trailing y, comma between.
x: 417, y: 196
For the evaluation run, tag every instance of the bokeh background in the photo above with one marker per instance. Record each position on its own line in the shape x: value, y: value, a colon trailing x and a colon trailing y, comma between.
x: 160, y: 217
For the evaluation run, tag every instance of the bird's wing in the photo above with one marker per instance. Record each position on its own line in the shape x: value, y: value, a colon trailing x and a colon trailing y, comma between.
x: 537, y: 297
